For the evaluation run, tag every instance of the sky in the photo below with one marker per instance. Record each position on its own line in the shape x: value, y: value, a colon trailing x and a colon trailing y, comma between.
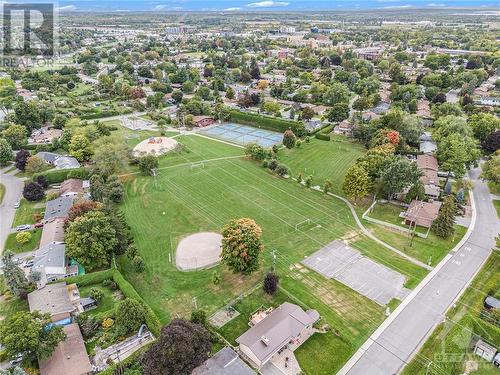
x: 263, y: 5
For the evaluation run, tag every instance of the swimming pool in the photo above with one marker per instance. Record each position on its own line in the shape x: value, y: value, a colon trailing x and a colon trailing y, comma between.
x: 243, y: 134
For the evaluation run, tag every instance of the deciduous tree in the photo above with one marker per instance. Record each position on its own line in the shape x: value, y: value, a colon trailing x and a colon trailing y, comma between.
x: 289, y: 139
x: 129, y: 315
x: 5, y: 152
x: 357, y: 183
x: 242, y: 245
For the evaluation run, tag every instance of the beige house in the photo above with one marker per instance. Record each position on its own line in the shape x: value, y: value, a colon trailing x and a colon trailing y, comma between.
x: 287, y: 326
x: 70, y: 356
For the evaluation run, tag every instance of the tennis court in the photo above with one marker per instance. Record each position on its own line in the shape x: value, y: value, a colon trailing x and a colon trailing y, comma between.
x: 242, y: 134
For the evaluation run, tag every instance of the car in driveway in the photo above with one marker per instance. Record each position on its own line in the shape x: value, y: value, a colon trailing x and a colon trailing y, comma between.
x: 20, y: 228
x: 17, y: 204
x: 29, y: 263
x: 38, y: 225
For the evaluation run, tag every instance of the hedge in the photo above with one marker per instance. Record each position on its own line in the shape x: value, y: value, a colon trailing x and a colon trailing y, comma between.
x: 269, y: 123
x: 128, y: 291
x: 322, y: 136
x: 56, y: 176
x: 107, y: 113
x: 90, y: 278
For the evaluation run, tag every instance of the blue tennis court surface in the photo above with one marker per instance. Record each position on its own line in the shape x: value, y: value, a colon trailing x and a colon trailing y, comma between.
x: 242, y: 134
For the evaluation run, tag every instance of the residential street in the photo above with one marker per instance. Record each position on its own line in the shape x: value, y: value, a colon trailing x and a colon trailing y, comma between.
x: 13, y: 190
x: 396, y: 342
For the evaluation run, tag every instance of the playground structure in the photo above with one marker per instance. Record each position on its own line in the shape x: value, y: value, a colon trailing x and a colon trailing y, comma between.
x: 155, y: 146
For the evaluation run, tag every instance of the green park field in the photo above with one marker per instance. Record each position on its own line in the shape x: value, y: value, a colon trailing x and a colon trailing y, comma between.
x: 189, y: 196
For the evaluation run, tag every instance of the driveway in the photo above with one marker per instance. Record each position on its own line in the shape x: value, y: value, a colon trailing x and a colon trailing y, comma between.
x: 398, y: 339
x: 13, y: 191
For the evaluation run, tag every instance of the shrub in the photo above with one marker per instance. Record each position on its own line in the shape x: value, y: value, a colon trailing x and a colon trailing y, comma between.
x: 56, y: 176
x: 96, y: 294
x: 265, y: 163
x: 131, y: 251
x: 33, y: 192
x: 216, y: 278
x: 138, y: 264
x: 273, y: 164
x: 308, y: 181
x: 308, y: 139
x: 271, y: 281
x: 255, y: 151
x: 199, y: 317
x: 298, y: 143
x: 23, y: 237
x: 289, y: 139
x: 322, y: 137
x: 300, y: 178
x: 129, y: 315
x: 282, y: 170
x: 107, y: 323
x: 110, y: 284
x: 42, y: 181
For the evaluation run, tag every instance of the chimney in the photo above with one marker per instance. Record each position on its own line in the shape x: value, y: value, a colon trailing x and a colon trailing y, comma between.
x: 265, y: 340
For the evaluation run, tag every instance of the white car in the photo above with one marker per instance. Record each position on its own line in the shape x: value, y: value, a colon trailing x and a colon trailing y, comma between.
x: 29, y: 263
x: 16, y: 205
x: 20, y: 228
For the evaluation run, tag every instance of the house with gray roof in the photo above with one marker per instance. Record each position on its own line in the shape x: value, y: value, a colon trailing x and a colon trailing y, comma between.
x: 58, y: 208
x: 66, y: 162
x: 225, y: 362
x: 49, y: 157
x: 52, y: 263
x: 287, y: 326
x: 59, y: 300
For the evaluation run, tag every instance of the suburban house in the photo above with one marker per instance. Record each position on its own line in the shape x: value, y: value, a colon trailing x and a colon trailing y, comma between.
x: 427, y: 144
x: 52, y: 263
x: 69, y: 357
x: 59, y: 161
x: 287, y: 326
x: 428, y: 164
x: 202, y: 121
x: 53, y: 232
x: 422, y: 213
x: 225, y: 362
x: 59, y: 300
x: 44, y: 135
x: 73, y: 187
x: 57, y: 208
x: 424, y: 112
x: 344, y: 127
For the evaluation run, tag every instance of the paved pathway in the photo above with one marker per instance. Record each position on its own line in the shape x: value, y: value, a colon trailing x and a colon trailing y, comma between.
x: 400, y: 337
x: 13, y: 190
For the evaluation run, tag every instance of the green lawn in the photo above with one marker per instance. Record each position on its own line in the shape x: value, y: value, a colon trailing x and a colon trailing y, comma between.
x: 323, y: 160
x: 389, y: 213
x: 182, y: 200
x: 496, y: 203
x: 432, y: 248
x: 451, y: 338
x: 108, y: 301
x: 12, y: 245
x: 25, y: 212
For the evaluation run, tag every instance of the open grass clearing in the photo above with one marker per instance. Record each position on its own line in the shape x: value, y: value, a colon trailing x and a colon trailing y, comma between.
x: 496, y: 203
x: 429, y: 250
x: 323, y: 160
x: 33, y: 244
x: 108, y: 302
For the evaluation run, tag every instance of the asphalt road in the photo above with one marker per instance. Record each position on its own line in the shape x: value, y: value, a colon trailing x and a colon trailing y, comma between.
x: 13, y: 191
x: 396, y: 343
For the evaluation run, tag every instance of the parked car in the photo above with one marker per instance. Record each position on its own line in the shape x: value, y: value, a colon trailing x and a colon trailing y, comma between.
x: 17, y: 204
x: 20, y: 228
x: 17, y: 360
x: 29, y: 263
x: 38, y: 225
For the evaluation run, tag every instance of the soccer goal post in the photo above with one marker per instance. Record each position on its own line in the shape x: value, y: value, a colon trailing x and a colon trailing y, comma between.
x: 197, y: 165
x: 302, y: 223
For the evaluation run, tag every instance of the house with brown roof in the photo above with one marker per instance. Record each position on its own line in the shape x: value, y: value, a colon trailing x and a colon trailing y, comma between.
x: 428, y: 164
x: 422, y: 213
x: 344, y: 127
x: 45, y: 135
x: 202, y: 121
x: 73, y: 187
x: 69, y: 357
x: 53, y: 232
x: 287, y: 326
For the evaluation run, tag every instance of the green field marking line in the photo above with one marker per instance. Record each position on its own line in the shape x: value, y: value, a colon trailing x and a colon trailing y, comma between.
x: 360, y: 225
x: 187, y: 164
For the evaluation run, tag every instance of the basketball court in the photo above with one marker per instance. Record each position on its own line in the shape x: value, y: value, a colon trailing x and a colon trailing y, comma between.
x: 347, y: 265
x: 242, y: 134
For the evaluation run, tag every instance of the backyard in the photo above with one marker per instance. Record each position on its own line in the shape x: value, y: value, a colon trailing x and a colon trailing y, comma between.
x: 323, y: 160
x: 186, y: 198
